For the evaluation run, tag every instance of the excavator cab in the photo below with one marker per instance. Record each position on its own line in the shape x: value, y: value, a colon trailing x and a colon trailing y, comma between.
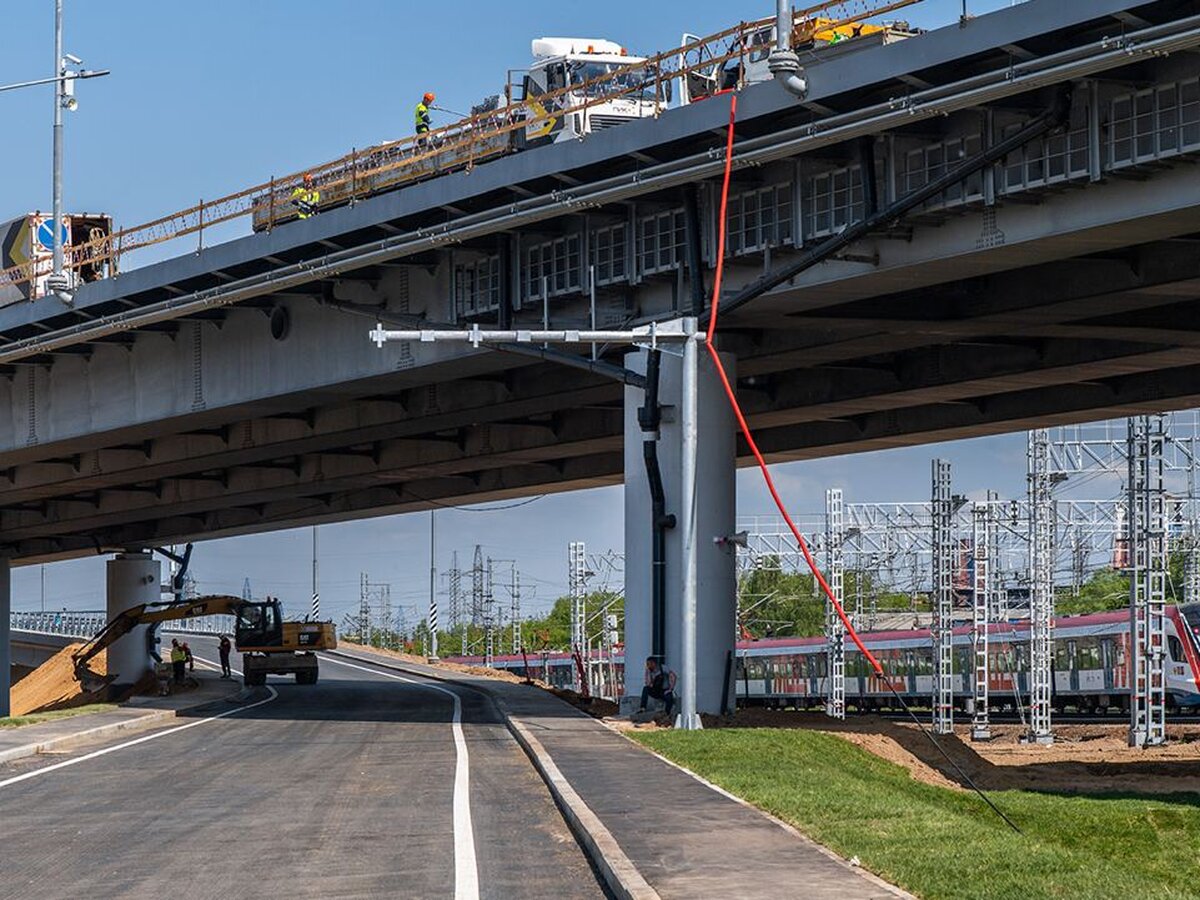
x: 259, y: 624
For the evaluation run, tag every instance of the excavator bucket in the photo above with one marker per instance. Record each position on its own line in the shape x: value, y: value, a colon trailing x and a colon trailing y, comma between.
x: 92, y: 682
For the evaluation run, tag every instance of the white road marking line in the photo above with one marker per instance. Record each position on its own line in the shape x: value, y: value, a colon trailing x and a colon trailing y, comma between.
x: 466, y: 871
x: 216, y: 666
x: 134, y: 742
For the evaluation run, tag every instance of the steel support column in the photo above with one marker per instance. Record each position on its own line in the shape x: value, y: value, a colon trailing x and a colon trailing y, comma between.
x: 942, y: 600
x: 576, y: 581
x: 1041, y: 596
x: 983, y: 557
x: 835, y: 635
x: 1147, y: 582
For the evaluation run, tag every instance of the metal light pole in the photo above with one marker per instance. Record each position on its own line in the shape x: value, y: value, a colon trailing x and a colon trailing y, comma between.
x: 433, y: 610
x: 58, y: 281
x: 316, y: 583
x: 688, y: 719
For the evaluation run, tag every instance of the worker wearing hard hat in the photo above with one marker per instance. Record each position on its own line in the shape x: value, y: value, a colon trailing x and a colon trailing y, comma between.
x: 421, y: 114
x: 306, y: 198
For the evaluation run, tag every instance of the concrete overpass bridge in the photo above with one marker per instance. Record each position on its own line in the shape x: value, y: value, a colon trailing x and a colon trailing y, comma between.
x: 232, y: 390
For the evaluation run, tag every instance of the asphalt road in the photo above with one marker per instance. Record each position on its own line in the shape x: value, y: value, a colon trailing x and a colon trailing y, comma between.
x: 360, y: 786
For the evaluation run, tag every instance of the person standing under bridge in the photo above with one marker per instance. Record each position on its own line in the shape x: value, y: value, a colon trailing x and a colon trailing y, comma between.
x: 178, y: 661
x: 224, y: 649
x: 306, y: 198
x: 421, y: 119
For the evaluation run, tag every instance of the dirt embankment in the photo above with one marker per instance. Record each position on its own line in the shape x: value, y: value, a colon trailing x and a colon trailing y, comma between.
x: 1083, y: 759
x: 53, y: 685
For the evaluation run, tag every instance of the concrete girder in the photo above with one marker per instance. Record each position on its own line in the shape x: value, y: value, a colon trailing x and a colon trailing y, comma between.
x: 1116, y: 396
x: 577, y: 473
x: 1102, y: 217
x: 807, y: 395
x: 452, y: 405
x: 584, y: 433
x: 1068, y: 290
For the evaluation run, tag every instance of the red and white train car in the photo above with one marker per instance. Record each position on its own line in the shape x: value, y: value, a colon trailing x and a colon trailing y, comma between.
x: 1091, y: 666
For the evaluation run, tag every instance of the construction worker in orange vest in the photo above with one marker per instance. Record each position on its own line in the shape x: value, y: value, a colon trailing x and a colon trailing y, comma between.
x: 421, y: 114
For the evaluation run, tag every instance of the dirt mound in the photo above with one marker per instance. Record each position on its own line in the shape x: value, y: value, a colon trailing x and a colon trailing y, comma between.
x: 1085, y: 759
x: 481, y: 671
x: 53, y: 685
x: 596, y: 706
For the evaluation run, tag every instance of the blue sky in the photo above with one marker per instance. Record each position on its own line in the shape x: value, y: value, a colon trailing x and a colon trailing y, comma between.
x: 207, y: 98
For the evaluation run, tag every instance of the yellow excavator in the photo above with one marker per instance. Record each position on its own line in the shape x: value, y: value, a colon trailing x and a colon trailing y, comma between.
x: 269, y: 645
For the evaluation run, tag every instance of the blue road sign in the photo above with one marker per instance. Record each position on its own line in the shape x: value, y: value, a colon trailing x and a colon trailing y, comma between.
x: 45, y: 234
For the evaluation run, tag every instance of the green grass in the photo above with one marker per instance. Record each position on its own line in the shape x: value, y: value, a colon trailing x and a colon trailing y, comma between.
x: 939, y: 843
x: 35, y: 718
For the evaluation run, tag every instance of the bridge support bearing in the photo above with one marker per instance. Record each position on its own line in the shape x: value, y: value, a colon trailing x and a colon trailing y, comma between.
x: 5, y: 637
x: 131, y: 579
x: 715, y: 507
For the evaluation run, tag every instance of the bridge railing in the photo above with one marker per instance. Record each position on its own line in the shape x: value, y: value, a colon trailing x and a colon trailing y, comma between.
x: 81, y: 624
x: 473, y: 139
x: 88, y: 623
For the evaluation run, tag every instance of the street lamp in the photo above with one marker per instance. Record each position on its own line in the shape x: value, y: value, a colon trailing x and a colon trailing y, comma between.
x: 64, y: 98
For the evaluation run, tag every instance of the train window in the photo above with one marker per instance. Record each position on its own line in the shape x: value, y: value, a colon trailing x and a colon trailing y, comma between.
x: 1174, y: 648
x: 1063, y: 653
x: 1088, y: 653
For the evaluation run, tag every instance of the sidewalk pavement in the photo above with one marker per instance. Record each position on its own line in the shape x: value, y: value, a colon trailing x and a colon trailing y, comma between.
x: 684, y: 837
x: 137, y: 714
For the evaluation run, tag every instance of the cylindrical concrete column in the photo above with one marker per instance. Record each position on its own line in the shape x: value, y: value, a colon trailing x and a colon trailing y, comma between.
x: 715, y: 510
x: 131, y: 579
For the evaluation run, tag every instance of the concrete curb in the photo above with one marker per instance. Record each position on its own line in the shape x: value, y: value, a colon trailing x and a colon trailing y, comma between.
x: 133, y: 725
x: 620, y: 874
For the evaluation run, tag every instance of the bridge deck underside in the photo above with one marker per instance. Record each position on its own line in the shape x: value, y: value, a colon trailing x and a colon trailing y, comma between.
x: 923, y: 333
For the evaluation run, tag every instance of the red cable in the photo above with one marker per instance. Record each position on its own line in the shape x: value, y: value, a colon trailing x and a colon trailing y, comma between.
x: 737, y: 409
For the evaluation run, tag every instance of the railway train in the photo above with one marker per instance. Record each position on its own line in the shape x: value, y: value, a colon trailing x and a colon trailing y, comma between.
x: 1090, y: 666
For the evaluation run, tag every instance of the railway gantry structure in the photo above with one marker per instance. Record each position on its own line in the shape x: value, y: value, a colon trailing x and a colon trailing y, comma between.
x: 835, y: 632
x: 1045, y: 274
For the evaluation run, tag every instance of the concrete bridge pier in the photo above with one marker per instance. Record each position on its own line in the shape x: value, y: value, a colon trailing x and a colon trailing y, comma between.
x: 131, y: 579
x: 715, y: 507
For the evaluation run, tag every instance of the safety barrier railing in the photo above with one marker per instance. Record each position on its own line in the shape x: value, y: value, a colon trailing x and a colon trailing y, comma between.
x: 89, y: 623
x: 80, y: 624
x: 476, y: 138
